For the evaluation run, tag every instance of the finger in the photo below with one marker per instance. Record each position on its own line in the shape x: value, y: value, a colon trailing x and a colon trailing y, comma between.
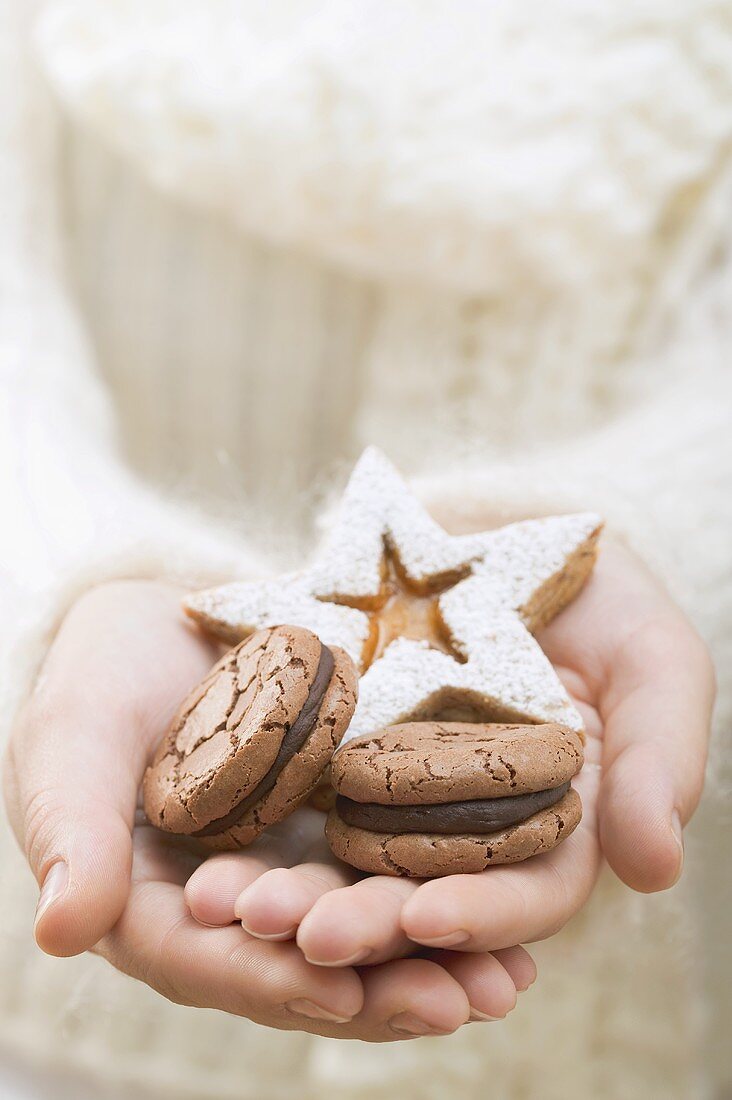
x: 358, y: 925
x: 525, y: 901
x: 273, y: 907
x: 486, y: 979
x: 408, y: 998
x: 72, y: 775
x: 212, y: 891
x: 519, y: 965
x: 657, y: 713
x: 157, y: 941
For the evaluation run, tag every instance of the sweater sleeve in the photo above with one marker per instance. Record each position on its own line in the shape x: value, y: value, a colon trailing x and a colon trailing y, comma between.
x: 72, y: 513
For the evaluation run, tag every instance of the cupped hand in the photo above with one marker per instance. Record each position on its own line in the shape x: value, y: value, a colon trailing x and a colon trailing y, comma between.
x: 121, y: 663
x: 644, y: 683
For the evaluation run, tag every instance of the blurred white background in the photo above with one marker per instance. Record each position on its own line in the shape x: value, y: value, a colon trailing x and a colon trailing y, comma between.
x: 254, y: 236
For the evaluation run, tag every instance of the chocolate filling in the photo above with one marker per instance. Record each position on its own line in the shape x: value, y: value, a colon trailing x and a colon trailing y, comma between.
x: 478, y: 815
x: 294, y: 739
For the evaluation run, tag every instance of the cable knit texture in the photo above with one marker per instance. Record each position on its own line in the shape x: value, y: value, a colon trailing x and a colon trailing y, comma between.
x: 494, y: 239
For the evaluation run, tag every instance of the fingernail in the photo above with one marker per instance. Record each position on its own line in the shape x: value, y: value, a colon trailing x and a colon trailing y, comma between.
x: 288, y: 935
x: 476, y: 1016
x: 303, y: 1007
x: 678, y: 832
x: 452, y: 939
x: 352, y: 960
x: 409, y: 1024
x: 54, y: 884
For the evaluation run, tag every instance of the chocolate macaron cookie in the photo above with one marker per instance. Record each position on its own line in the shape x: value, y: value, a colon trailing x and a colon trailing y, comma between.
x: 251, y: 742
x: 427, y: 799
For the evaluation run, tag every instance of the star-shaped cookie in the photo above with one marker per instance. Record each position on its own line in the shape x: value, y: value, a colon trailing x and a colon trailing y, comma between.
x: 437, y: 624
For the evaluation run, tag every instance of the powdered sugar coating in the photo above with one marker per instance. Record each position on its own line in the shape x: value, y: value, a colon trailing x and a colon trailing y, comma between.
x: 377, y: 506
x: 503, y: 584
x: 234, y: 610
x: 520, y: 558
x: 507, y: 677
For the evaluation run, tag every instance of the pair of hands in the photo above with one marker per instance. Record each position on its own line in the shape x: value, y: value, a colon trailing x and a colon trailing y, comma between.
x: 321, y: 948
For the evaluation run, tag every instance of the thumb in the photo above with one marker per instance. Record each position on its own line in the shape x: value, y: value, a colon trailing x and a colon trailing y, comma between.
x: 76, y: 832
x: 81, y: 857
x: 657, y: 715
x: 119, y: 666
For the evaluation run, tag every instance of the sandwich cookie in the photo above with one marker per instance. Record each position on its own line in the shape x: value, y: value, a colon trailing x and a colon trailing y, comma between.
x: 427, y: 799
x: 252, y: 741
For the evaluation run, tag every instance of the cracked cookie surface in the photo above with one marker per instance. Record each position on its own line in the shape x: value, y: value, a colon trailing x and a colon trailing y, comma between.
x: 428, y: 799
x: 429, y: 762
x: 253, y: 739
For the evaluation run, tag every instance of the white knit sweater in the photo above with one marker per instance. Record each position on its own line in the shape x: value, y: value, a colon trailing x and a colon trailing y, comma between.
x: 492, y: 238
